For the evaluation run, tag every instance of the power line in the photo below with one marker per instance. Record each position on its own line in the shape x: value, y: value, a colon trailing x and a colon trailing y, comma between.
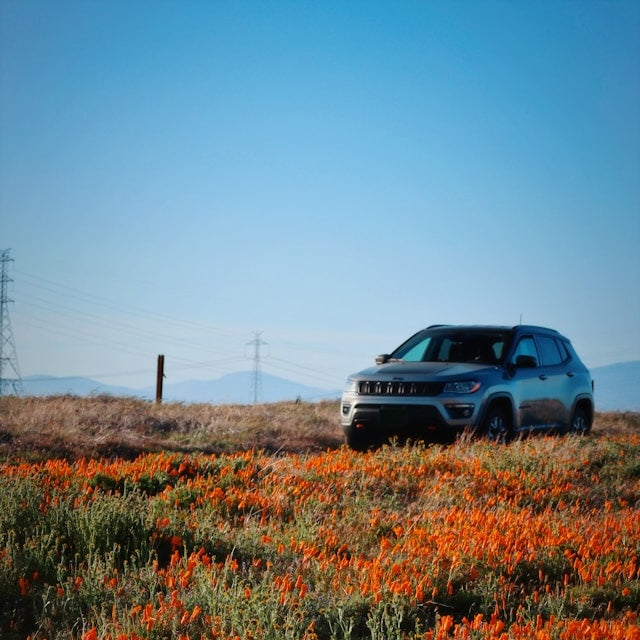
x: 97, y: 328
x: 86, y: 297
x: 8, y: 356
x: 300, y: 370
x: 67, y: 311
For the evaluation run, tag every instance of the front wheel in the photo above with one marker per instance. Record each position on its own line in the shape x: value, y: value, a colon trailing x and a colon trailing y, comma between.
x: 496, y: 426
x: 357, y: 439
x: 580, y: 423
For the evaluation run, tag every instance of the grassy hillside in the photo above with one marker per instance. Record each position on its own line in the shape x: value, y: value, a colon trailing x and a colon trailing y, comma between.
x: 536, y: 539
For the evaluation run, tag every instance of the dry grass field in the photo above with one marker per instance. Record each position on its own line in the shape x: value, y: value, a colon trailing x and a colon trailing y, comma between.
x: 104, y: 426
x: 74, y: 427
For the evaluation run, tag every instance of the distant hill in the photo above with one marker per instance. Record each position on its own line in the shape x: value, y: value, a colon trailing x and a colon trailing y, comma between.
x: 77, y: 386
x: 617, y: 388
x: 236, y: 388
x: 233, y: 388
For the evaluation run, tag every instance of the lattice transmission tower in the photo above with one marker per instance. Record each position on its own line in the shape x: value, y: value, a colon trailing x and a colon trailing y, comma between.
x: 9, y: 371
x: 256, y: 379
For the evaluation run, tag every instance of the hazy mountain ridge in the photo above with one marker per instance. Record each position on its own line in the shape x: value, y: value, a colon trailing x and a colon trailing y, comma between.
x: 617, y: 388
x: 233, y: 388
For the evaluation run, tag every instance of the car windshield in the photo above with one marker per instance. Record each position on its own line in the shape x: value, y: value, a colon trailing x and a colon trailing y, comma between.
x: 457, y: 345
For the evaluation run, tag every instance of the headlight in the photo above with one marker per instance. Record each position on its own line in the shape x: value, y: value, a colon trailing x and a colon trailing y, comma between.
x: 462, y: 386
x: 351, y: 386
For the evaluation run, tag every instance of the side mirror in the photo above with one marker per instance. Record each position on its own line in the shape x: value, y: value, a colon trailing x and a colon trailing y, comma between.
x: 526, y: 362
x: 382, y: 358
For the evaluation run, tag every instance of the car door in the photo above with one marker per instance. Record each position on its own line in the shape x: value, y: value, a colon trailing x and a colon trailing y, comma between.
x: 556, y: 405
x: 528, y: 384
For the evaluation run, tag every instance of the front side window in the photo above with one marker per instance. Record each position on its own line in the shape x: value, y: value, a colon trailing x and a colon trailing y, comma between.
x: 525, y: 348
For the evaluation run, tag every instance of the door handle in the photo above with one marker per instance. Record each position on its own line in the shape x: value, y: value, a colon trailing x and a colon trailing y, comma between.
x: 542, y: 376
x: 570, y: 374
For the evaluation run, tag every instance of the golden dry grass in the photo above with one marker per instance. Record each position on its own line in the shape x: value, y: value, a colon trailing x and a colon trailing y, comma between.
x: 75, y: 427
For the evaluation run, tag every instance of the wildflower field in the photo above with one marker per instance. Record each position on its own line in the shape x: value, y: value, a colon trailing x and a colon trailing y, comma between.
x: 537, y: 539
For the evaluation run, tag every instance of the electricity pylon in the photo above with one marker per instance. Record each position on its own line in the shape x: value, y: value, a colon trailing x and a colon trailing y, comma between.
x: 256, y: 380
x: 8, y: 357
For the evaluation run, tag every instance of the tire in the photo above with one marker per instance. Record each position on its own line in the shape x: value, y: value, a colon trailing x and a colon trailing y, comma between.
x: 357, y: 440
x: 496, y: 426
x: 580, y: 424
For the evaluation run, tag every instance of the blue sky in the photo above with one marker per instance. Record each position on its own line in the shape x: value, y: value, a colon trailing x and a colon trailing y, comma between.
x: 177, y: 175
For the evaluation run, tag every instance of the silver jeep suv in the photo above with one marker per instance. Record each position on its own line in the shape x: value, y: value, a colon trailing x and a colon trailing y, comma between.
x: 445, y: 379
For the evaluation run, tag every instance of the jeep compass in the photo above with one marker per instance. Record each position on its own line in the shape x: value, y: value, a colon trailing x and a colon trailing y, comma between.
x: 493, y: 380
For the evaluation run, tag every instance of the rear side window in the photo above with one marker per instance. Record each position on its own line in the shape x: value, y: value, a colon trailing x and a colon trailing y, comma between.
x: 549, y: 351
x: 571, y: 351
x: 564, y: 352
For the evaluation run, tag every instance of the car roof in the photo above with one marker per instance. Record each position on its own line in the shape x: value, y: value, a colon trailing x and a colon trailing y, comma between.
x: 519, y: 328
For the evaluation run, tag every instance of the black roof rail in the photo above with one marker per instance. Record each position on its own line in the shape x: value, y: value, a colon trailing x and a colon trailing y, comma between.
x: 533, y: 327
x: 435, y: 326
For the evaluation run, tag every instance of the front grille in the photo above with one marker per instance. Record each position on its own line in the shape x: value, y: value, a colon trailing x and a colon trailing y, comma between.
x: 399, y: 388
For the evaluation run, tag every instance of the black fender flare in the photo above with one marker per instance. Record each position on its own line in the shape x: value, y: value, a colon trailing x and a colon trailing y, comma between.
x: 580, y: 399
x: 502, y: 396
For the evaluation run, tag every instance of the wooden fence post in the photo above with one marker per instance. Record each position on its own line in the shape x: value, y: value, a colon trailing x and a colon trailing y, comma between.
x: 159, y: 379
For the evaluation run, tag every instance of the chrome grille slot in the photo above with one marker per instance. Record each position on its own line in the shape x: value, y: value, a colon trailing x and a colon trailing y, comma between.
x: 399, y: 388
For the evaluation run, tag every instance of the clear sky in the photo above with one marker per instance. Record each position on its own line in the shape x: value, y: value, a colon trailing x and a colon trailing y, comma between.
x: 175, y: 175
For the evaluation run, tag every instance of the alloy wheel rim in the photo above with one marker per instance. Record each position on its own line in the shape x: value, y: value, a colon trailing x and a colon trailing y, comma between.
x: 497, y: 428
x: 579, y: 424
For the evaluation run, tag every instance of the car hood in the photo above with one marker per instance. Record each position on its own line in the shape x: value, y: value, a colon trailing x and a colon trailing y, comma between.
x: 420, y: 370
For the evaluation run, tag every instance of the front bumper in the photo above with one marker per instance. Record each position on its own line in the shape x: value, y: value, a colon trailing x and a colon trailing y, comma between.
x: 431, y: 419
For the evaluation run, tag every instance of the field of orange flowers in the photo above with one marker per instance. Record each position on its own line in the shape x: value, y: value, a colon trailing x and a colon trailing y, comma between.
x: 536, y: 539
